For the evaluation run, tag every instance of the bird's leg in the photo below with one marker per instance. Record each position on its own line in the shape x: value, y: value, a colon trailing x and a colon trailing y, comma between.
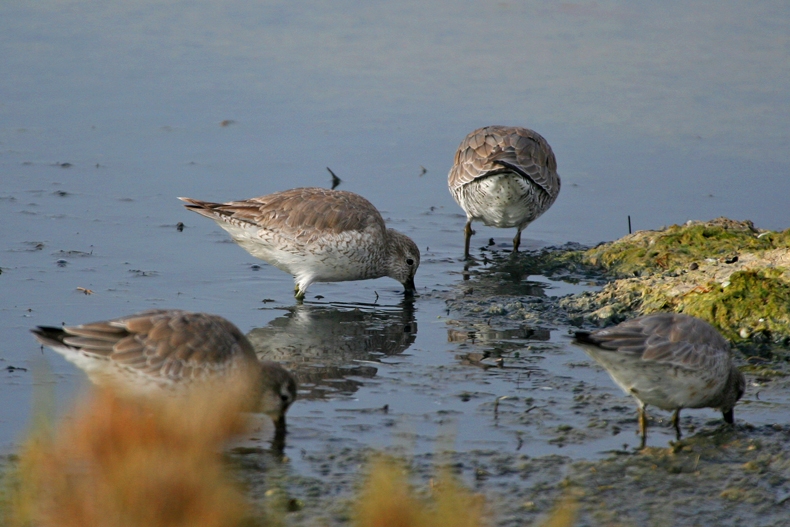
x: 517, y: 241
x: 298, y: 293
x: 676, y: 423
x: 468, y: 232
x: 642, y: 426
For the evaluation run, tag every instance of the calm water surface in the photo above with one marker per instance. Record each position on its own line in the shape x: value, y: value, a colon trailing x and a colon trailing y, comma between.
x: 664, y: 111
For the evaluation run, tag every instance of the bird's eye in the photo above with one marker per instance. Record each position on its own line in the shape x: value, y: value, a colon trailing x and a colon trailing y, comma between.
x: 409, y: 261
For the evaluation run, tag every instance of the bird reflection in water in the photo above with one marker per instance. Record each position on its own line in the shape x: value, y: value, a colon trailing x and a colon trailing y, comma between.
x: 485, y: 347
x: 508, y: 274
x: 325, y: 344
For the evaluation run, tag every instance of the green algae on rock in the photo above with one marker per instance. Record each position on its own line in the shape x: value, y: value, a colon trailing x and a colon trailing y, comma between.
x: 752, y: 304
x: 730, y: 273
x: 679, y: 246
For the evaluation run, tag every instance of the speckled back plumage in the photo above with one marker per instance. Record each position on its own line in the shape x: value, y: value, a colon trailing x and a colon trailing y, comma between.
x: 304, y: 214
x: 156, y: 349
x: 510, y: 150
x: 169, y: 344
x: 673, y: 339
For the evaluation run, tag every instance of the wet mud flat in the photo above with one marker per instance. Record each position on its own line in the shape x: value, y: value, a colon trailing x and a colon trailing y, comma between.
x: 732, y: 477
x: 546, y: 422
x: 727, y: 477
x: 502, y: 318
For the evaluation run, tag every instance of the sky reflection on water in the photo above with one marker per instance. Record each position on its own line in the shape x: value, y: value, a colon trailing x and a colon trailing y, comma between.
x: 665, y: 111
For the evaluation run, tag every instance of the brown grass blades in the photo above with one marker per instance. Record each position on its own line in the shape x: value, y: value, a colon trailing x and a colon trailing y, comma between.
x: 388, y: 500
x: 564, y: 513
x: 121, y: 462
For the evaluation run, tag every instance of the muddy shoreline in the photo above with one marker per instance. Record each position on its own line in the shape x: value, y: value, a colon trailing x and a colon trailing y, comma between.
x: 715, y: 475
x: 510, y: 318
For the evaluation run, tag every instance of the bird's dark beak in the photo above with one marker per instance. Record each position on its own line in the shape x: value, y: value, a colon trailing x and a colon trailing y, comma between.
x: 278, y: 442
x: 409, y: 287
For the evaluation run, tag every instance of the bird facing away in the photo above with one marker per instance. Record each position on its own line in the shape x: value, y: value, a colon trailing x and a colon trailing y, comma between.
x: 317, y: 235
x: 669, y: 360
x: 504, y: 176
x: 154, y: 350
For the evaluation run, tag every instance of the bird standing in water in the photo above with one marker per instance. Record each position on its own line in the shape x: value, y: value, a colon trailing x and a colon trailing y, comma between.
x: 317, y: 235
x: 670, y: 360
x: 504, y: 176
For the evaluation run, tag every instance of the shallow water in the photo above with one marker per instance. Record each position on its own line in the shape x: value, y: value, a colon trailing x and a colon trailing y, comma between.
x: 664, y: 112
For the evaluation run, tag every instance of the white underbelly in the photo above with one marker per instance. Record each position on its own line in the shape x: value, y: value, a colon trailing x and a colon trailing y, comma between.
x: 336, y: 258
x: 501, y: 201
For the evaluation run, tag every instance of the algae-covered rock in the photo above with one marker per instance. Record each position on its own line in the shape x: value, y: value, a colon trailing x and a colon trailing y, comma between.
x: 679, y: 247
x: 730, y: 273
x: 752, y: 304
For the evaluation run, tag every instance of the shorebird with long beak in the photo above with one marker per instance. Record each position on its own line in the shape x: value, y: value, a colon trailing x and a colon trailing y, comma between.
x: 152, y: 351
x: 317, y: 235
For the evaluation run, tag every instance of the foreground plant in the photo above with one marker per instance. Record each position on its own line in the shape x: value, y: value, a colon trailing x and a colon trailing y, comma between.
x: 122, y: 462
x: 387, y: 499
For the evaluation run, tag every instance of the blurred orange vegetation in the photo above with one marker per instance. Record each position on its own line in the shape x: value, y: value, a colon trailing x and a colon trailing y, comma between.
x: 388, y: 500
x: 121, y: 462
x: 564, y: 513
x: 132, y: 462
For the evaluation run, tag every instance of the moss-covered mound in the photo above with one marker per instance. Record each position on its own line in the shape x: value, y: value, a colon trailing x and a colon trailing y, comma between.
x: 729, y: 273
x: 751, y: 304
x: 680, y: 246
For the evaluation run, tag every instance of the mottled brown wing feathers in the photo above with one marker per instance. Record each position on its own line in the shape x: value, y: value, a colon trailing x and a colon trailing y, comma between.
x: 668, y: 338
x: 496, y: 149
x: 130, y: 343
x: 96, y: 338
x: 164, y: 342
x: 297, y: 212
